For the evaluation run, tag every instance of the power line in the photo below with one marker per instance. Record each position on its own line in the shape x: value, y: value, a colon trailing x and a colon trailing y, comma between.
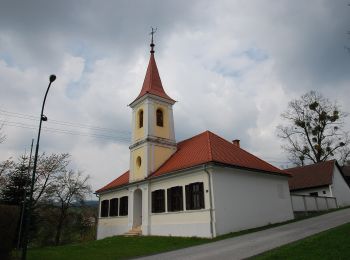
x: 63, y: 123
x: 62, y: 131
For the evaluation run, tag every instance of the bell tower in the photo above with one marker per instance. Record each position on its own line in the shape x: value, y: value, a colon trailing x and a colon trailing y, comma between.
x: 153, y: 137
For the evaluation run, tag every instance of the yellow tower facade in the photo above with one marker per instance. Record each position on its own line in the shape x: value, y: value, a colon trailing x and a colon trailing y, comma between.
x: 153, y: 136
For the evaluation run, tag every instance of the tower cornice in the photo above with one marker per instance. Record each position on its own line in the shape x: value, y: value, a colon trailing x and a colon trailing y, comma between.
x: 153, y: 140
x: 155, y: 97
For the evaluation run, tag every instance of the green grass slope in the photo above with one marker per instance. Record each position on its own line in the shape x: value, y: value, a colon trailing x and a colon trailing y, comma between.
x: 118, y: 247
x: 330, y: 244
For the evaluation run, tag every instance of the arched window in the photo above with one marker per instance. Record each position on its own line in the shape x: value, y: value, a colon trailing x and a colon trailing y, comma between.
x: 104, y: 208
x: 159, y: 117
x: 140, y: 118
x: 138, y: 161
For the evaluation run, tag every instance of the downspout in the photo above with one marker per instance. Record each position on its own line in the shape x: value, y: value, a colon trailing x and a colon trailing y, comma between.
x: 149, y: 209
x: 212, y: 226
x: 330, y: 190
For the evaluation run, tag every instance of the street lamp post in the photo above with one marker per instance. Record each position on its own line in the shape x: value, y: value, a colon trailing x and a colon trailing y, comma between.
x: 42, y: 118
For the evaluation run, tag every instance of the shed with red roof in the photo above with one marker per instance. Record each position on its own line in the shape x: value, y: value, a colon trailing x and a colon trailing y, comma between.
x: 324, y: 179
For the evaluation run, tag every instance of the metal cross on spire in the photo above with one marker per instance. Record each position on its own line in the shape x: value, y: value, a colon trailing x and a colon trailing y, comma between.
x: 152, y: 44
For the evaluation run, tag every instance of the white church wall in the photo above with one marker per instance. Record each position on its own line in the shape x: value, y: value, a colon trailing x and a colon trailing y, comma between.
x: 340, y: 188
x: 112, y: 226
x: 186, y: 222
x: 246, y: 199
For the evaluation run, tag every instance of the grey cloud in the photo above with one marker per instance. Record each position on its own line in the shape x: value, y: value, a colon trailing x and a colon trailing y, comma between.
x: 39, y: 31
x: 232, y: 66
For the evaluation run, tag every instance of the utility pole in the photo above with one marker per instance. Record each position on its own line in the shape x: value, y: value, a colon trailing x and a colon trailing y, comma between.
x: 42, y: 118
x: 24, y: 200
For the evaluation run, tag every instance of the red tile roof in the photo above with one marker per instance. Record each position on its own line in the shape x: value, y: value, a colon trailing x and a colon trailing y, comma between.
x: 314, y: 175
x: 204, y: 148
x: 121, y: 180
x: 152, y: 83
x: 208, y: 147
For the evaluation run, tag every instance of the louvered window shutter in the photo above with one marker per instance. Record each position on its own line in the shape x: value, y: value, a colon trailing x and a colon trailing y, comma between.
x: 169, y: 199
x: 188, y: 197
x: 162, y: 194
x: 201, y: 195
x: 181, y: 199
x: 153, y: 201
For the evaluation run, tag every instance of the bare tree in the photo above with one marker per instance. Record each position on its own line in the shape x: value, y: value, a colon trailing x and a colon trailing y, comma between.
x: 68, y: 188
x: 48, y: 169
x: 5, y: 168
x: 314, y: 131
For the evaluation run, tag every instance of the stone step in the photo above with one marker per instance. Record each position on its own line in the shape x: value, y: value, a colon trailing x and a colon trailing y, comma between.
x: 135, y: 231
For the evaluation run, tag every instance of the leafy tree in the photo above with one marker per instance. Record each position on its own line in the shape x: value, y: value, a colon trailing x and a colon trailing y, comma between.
x: 314, y: 131
x: 69, y: 187
x: 17, y: 182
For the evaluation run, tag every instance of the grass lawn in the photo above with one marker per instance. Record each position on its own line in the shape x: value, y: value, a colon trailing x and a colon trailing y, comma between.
x: 120, y: 247
x: 330, y: 244
x: 117, y: 247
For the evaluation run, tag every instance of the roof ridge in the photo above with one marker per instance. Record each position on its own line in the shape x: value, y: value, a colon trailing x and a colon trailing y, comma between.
x: 261, y: 160
x: 209, y: 145
x: 310, y: 165
x: 195, y: 136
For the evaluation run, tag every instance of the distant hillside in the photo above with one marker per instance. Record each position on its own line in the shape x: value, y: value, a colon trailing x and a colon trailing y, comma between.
x: 91, y: 203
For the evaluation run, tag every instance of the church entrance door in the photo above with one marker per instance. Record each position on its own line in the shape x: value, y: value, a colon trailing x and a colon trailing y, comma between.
x: 137, y: 218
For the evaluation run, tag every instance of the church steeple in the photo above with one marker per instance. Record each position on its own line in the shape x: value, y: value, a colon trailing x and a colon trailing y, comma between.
x: 152, y: 83
x: 153, y: 136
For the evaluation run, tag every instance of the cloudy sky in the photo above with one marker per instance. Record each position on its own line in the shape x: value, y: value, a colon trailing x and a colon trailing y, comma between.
x: 231, y: 65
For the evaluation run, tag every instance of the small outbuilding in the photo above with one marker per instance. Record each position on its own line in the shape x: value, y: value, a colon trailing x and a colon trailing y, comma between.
x: 324, y: 179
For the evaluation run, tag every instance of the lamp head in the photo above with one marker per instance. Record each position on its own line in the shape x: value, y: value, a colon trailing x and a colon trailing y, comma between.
x: 43, y: 118
x: 52, y: 78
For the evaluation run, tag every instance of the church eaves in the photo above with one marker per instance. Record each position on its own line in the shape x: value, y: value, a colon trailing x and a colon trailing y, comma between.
x: 201, y: 149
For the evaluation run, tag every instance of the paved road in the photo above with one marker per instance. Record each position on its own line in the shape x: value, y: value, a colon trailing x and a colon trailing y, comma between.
x: 255, y: 243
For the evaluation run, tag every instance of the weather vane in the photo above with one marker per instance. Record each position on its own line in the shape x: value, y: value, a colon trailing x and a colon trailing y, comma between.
x: 152, y: 44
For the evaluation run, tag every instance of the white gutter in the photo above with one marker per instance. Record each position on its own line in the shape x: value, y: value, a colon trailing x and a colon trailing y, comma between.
x: 212, y: 224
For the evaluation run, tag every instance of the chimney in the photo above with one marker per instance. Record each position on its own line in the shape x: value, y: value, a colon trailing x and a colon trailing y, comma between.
x: 236, y: 142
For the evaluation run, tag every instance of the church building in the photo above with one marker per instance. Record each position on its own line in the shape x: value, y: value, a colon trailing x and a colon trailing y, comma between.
x: 203, y: 186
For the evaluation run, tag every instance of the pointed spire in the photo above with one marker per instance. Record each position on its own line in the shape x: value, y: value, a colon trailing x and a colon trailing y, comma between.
x: 152, y: 83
